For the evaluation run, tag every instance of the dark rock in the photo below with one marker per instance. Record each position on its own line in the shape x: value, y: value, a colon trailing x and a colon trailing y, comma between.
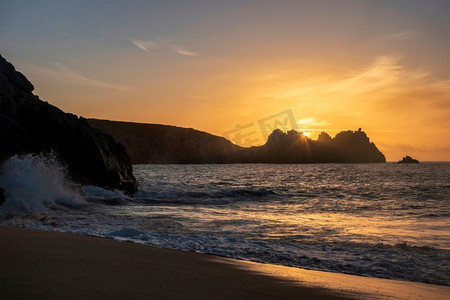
x: 408, y: 160
x: 2, y: 196
x: 29, y: 125
x: 153, y: 143
x: 355, y: 146
x: 11, y: 81
x: 294, y: 147
x: 324, y: 138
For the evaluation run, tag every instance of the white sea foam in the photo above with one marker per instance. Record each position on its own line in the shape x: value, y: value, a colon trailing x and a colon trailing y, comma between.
x: 33, y: 183
x: 95, y: 194
x: 93, y: 191
x: 361, y: 259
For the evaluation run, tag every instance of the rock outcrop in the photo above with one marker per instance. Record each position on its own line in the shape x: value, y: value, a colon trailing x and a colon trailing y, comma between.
x: 29, y: 125
x: 408, y: 160
x: 152, y: 143
x: 2, y: 196
x: 294, y: 147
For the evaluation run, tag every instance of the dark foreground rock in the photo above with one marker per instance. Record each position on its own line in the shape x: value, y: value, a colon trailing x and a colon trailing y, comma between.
x: 2, y: 196
x: 29, y: 125
x: 408, y: 160
x: 154, y: 143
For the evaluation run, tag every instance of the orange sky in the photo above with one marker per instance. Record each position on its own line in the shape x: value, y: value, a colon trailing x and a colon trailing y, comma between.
x: 335, y: 65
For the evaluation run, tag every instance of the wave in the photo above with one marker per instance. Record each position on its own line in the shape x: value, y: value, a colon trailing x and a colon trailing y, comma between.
x: 33, y: 183
x: 203, y: 197
x: 400, y: 261
x: 95, y: 194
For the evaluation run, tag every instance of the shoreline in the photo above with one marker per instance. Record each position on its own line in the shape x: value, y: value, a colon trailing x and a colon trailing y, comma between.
x: 51, y: 265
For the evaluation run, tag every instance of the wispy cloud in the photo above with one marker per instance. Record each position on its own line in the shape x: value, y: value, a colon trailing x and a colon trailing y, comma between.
x: 144, y: 45
x: 61, y: 71
x: 403, y: 35
x: 186, y: 52
x: 79, y: 41
x: 312, y: 122
x: 162, y: 44
x: 385, y: 79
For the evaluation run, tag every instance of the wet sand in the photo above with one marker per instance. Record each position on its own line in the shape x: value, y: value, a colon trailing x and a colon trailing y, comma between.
x: 38, y: 264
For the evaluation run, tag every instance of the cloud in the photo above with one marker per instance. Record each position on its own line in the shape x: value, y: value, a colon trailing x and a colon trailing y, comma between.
x: 186, y: 52
x: 312, y: 122
x: 60, y: 71
x: 384, y: 83
x: 144, y: 45
x: 162, y: 44
x: 402, y: 35
x: 79, y: 41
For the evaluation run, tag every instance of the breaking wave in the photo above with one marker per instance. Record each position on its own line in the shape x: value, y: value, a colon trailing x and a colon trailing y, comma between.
x: 34, y: 183
x: 218, y: 197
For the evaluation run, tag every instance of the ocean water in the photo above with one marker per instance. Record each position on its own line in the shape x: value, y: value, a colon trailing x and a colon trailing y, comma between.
x: 382, y: 220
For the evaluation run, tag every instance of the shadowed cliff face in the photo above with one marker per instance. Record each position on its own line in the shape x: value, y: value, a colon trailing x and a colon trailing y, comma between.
x: 29, y: 125
x: 152, y: 143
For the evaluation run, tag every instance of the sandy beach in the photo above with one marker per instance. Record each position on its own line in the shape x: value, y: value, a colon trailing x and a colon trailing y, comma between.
x: 50, y: 265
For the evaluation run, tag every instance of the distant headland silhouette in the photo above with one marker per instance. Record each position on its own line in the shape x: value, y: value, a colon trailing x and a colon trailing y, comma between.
x: 155, y: 143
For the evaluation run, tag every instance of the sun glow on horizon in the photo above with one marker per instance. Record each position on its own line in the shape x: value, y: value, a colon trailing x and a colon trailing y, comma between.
x: 387, y: 74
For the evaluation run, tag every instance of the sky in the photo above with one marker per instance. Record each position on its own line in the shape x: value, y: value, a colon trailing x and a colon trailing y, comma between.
x: 226, y: 67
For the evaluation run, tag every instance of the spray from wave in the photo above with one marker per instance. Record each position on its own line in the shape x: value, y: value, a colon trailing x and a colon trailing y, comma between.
x: 34, y: 183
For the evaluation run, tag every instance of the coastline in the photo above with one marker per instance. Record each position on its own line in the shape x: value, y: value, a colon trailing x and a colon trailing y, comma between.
x: 52, y: 265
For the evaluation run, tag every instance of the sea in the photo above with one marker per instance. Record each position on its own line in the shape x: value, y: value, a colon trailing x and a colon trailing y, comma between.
x: 380, y: 220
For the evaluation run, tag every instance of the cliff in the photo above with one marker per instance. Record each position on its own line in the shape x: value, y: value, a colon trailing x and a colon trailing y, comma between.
x: 29, y: 125
x: 153, y: 143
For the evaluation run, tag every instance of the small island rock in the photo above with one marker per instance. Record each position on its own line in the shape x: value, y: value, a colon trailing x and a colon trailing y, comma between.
x: 408, y: 160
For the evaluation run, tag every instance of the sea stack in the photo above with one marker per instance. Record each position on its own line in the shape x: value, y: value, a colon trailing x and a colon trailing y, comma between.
x: 408, y: 160
x: 30, y: 125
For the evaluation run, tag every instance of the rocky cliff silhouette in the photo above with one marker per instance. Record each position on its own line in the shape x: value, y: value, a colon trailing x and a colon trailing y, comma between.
x: 153, y: 143
x: 30, y: 125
